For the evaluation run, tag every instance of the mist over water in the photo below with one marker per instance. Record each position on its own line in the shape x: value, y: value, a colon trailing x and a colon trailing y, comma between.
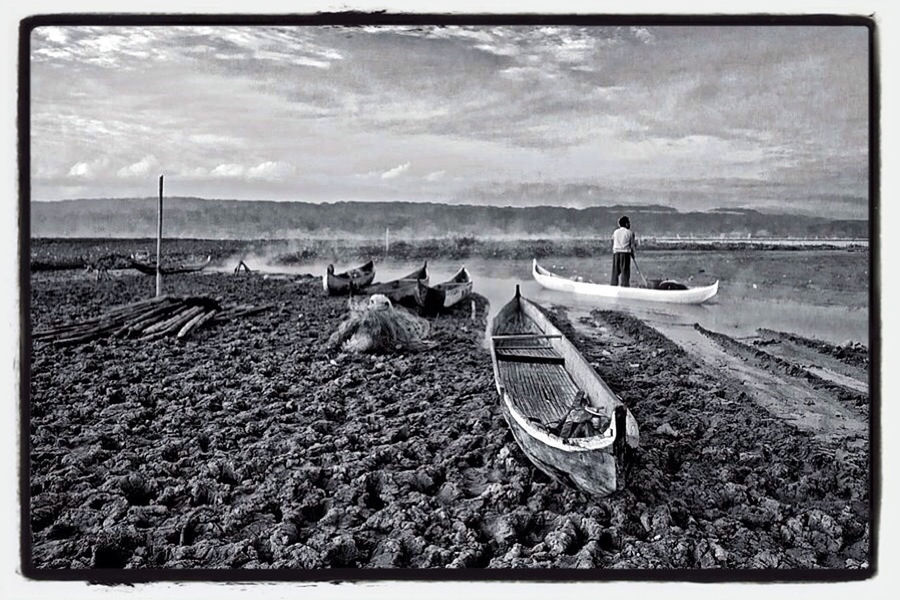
x: 749, y: 296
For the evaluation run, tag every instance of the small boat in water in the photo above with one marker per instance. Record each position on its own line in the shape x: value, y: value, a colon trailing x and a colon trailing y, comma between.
x: 402, y: 290
x: 150, y: 269
x: 433, y: 299
x: 349, y: 282
x: 567, y: 421
x: 666, y: 291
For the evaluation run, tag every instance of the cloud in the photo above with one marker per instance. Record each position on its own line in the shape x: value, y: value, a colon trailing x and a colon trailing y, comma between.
x: 271, y: 170
x: 57, y: 35
x: 435, y: 176
x: 396, y: 171
x: 642, y: 34
x: 214, y: 139
x: 141, y: 168
x: 89, y: 170
x: 194, y: 173
x: 228, y: 170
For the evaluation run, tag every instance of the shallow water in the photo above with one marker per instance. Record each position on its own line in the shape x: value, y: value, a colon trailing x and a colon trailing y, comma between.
x: 818, y: 294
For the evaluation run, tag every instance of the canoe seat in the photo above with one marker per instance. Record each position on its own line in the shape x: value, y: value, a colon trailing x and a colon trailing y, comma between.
x: 530, y: 355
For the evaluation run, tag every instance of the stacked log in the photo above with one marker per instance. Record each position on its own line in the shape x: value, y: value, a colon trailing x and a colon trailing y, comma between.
x: 163, y: 316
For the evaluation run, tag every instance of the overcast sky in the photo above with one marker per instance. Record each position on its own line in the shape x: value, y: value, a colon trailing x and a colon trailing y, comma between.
x: 773, y: 118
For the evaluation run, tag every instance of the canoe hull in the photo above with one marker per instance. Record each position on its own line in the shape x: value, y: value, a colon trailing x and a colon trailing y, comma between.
x: 552, y: 281
x: 148, y: 269
x: 403, y: 290
x: 432, y: 300
x: 349, y: 282
x: 594, y: 464
x: 596, y: 472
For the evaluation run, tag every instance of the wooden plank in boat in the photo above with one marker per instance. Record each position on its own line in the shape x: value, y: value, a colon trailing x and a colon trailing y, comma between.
x: 553, y: 359
x: 526, y: 336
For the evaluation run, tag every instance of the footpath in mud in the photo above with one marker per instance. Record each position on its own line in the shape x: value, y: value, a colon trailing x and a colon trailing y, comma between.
x: 251, y: 447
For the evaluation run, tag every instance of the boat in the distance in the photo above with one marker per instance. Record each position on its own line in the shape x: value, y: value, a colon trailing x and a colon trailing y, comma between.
x: 402, y: 290
x: 565, y: 418
x: 351, y: 281
x: 666, y: 291
x: 148, y: 268
x: 433, y: 299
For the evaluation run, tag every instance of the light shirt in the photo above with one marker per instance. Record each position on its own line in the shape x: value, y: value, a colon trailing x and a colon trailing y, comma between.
x: 623, y: 240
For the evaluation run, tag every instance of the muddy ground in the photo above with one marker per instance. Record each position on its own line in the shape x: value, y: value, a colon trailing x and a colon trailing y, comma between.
x: 248, y: 446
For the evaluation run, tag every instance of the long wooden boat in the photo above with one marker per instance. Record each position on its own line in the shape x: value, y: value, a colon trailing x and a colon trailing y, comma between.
x: 552, y: 281
x: 351, y: 281
x: 150, y: 269
x: 402, y: 290
x: 433, y: 299
x: 546, y: 385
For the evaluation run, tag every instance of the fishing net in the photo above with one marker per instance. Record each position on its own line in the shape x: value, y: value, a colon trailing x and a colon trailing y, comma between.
x: 376, y: 326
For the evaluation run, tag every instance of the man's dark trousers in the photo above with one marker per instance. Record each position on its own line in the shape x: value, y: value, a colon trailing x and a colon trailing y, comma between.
x: 621, y: 266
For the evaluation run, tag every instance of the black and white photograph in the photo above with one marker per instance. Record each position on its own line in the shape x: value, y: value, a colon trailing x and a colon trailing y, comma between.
x: 374, y: 296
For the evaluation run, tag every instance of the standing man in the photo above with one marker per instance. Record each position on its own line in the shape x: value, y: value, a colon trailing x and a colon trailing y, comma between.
x: 623, y: 251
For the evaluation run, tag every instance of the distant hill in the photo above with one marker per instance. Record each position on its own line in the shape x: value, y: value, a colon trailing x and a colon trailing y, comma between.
x: 245, y: 219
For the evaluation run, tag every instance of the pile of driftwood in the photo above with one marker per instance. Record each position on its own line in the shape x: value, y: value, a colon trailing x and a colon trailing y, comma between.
x: 152, y: 319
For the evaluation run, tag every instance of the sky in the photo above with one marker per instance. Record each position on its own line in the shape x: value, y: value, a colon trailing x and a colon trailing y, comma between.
x: 772, y: 118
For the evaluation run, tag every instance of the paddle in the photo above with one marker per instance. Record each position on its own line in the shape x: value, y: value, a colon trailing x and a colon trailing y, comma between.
x: 639, y: 271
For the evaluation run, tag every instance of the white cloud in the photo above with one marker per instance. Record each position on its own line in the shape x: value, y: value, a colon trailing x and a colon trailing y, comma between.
x: 435, y: 176
x: 141, y: 168
x: 499, y: 49
x: 81, y: 169
x: 271, y: 170
x: 214, y: 139
x: 526, y: 73
x: 57, y: 35
x: 89, y: 170
x: 228, y: 170
x: 643, y: 35
x: 396, y: 171
x: 196, y: 172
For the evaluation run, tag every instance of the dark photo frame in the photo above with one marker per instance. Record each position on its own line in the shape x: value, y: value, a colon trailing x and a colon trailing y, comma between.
x: 123, y: 431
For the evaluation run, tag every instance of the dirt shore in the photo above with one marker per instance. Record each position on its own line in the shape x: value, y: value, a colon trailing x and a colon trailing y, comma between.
x: 249, y: 446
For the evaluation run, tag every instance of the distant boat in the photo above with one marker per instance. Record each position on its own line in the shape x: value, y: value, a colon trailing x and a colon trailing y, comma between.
x: 348, y: 282
x: 667, y: 291
x: 444, y: 295
x: 567, y: 421
x: 150, y: 269
x: 402, y: 290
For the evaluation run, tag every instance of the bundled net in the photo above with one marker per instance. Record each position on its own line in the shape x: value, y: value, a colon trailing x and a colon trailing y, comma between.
x: 376, y: 326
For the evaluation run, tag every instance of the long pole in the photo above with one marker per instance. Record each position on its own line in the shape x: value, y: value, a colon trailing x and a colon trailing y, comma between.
x: 634, y: 260
x: 387, y: 233
x: 159, y: 222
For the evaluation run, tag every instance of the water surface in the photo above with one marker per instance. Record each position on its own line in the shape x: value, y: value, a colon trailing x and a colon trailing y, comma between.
x: 820, y: 294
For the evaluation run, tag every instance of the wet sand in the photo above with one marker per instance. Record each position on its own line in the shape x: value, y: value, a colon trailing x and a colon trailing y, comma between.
x: 249, y: 446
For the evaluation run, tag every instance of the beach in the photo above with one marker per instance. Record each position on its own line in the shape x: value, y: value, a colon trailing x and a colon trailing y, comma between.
x: 251, y: 445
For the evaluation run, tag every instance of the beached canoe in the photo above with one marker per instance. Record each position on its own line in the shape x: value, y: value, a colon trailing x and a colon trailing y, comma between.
x: 568, y: 422
x: 150, y: 269
x: 348, y: 282
x: 553, y: 281
x: 402, y: 290
x: 433, y: 299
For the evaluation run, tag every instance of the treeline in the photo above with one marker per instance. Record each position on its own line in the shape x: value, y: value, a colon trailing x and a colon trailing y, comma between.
x: 245, y: 219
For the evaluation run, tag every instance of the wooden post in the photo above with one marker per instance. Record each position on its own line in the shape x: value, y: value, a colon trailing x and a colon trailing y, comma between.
x: 387, y: 244
x: 159, y: 223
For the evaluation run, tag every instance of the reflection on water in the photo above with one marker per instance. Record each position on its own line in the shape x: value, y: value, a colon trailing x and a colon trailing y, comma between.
x: 732, y: 311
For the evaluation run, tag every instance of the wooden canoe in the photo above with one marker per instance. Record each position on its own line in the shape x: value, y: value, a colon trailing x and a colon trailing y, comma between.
x: 349, y: 282
x: 433, y: 299
x: 150, y: 269
x: 402, y: 290
x: 552, y: 281
x: 543, y: 380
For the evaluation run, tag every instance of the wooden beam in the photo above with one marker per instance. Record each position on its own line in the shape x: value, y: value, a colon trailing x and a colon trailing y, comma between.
x: 159, y: 222
x: 526, y: 336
